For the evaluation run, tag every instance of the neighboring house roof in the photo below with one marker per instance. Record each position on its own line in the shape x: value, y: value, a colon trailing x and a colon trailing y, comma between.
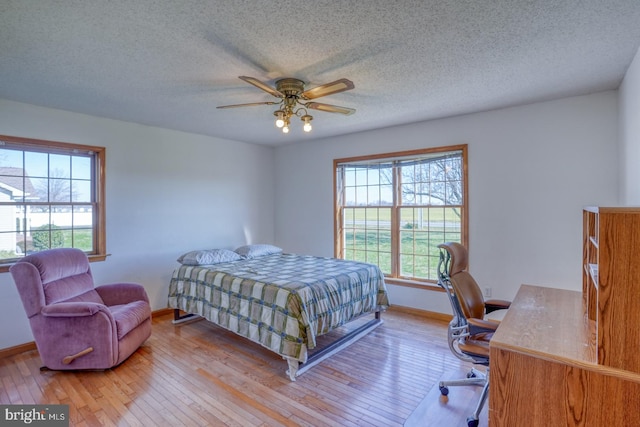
x: 12, y: 179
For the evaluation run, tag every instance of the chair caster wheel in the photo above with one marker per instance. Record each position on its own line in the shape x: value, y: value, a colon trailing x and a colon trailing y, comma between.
x: 472, y: 422
x: 444, y: 390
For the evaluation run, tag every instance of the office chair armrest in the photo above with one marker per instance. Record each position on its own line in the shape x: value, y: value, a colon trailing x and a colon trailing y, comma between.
x: 479, y: 325
x: 495, y: 304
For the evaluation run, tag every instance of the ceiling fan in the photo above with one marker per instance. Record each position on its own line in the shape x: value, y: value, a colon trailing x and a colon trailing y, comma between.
x: 293, y: 97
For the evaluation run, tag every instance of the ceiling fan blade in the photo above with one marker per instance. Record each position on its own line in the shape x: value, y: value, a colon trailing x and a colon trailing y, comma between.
x: 330, y: 108
x: 328, y: 89
x: 265, y: 87
x: 250, y: 104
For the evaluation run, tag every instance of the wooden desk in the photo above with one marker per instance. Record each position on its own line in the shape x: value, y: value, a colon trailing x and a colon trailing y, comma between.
x: 543, y: 369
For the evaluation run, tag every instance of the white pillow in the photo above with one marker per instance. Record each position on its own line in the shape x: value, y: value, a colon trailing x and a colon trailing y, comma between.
x: 254, y: 251
x: 208, y: 256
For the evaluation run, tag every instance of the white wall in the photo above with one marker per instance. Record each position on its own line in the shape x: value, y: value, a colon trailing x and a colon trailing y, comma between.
x: 167, y: 193
x: 531, y: 170
x: 630, y: 135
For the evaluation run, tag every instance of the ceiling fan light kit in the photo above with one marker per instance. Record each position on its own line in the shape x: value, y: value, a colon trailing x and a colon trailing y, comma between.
x: 293, y: 96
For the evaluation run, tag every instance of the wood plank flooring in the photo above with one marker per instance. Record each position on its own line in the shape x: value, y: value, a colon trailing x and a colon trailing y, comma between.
x: 197, y: 374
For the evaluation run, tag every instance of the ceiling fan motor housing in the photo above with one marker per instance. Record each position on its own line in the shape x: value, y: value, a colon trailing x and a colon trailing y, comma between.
x: 290, y: 87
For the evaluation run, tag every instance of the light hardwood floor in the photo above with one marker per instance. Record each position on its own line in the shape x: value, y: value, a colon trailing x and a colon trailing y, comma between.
x: 197, y: 374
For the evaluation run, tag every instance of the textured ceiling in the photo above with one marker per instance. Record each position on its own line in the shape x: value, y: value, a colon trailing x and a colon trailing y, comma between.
x: 169, y: 63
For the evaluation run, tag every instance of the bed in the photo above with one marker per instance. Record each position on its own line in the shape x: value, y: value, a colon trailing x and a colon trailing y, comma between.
x: 282, y: 301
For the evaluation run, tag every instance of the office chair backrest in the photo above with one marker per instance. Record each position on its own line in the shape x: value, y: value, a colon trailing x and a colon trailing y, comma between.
x: 465, y: 287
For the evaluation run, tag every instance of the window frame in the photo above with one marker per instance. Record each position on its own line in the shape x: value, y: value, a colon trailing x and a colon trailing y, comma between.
x: 464, y: 219
x: 98, y: 180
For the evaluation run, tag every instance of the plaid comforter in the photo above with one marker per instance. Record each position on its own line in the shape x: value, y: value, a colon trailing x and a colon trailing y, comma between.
x: 281, y: 301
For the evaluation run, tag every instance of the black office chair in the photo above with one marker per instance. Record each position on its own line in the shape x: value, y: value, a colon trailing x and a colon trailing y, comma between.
x: 469, y: 332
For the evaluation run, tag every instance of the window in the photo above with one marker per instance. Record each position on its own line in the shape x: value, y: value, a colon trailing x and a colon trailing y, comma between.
x: 393, y: 210
x: 51, y: 196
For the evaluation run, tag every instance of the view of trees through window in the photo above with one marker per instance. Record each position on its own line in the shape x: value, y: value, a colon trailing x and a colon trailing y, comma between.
x: 394, y: 210
x: 48, y: 197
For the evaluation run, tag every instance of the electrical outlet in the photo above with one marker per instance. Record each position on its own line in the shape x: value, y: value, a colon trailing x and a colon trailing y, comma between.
x: 487, y: 292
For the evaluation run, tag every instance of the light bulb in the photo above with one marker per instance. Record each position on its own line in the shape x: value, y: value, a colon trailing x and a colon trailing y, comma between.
x: 285, y: 129
x: 307, y: 122
x: 279, y: 118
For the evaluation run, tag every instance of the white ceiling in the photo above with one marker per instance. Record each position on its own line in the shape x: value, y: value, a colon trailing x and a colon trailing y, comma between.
x: 169, y: 63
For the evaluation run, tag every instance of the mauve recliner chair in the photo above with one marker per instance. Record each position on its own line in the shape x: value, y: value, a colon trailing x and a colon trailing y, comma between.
x: 77, y: 325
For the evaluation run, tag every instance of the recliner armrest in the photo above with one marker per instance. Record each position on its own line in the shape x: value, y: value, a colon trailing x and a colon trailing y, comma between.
x: 496, y: 304
x: 121, y: 293
x: 73, y: 309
